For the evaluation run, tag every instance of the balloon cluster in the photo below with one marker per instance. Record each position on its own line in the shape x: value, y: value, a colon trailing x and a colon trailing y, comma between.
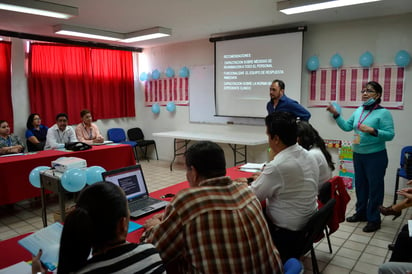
x: 170, y: 106
x: 402, y: 59
x: 73, y: 179
x: 169, y: 73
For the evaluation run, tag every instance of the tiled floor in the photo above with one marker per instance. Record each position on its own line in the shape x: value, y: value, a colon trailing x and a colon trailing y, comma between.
x: 353, y: 250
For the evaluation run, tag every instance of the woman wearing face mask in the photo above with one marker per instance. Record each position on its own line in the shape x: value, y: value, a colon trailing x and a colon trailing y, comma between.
x: 373, y: 127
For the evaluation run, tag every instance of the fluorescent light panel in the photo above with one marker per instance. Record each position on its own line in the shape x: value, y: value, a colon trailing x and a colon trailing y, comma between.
x: 87, y: 33
x: 40, y: 8
x: 300, y: 6
x: 146, y: 34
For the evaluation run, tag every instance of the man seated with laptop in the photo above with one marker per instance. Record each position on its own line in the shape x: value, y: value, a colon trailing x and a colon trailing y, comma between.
x: 216, y: 225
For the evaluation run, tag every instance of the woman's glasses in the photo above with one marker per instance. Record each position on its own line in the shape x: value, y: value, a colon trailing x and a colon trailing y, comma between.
x: 367, y: 91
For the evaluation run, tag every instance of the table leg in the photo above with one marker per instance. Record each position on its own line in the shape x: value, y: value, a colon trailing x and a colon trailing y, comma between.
x: 240, y: 150
x: 43, y: 203
x: 179, y: 148
x: 62, y: 202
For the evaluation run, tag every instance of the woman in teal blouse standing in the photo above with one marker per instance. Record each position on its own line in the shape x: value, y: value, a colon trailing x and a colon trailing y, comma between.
x: 373, y: 127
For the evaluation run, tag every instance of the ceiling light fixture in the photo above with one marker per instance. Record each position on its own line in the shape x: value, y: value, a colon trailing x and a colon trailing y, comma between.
x: 87, y: 33
x: 300, y: 6
x: 146, y: 34
x: 40, y: 8
x: 131, y: 37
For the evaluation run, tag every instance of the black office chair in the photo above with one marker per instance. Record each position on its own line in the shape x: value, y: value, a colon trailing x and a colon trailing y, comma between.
x: 324, y: 196
x: 136, y: 134
x: 405, y: 169
x: 313, y: 231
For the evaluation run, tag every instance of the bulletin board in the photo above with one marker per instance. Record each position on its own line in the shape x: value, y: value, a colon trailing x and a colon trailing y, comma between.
x: 202, y: 99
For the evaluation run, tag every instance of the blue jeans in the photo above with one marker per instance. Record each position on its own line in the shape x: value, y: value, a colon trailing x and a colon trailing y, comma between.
x: 369, y: 182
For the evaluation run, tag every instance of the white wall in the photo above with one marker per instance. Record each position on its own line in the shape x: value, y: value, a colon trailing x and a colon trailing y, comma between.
x: 383, y: 37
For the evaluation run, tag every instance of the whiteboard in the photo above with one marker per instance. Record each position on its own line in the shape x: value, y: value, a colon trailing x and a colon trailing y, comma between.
x: 202, y: 99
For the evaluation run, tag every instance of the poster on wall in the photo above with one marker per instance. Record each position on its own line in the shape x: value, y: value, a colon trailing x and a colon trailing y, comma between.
x: 343, y: 85
x: 166, y: 90
x: 346, y: 168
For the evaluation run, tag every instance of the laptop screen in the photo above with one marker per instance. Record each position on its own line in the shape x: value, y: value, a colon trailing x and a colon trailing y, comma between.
x: 130, y: 179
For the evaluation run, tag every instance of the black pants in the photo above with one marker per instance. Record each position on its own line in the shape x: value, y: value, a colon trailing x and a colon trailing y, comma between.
x: 288, y: 242
x: 402, y: 251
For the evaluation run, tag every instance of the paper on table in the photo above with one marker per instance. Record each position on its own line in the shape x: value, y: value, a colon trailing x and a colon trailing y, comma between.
x: 47, y: 239
x: 252, y: 167
x: 104, y: 143
x: 21, y: 268
x: 410, y: 227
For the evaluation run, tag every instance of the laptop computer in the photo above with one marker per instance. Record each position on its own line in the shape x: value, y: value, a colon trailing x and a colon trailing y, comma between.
x: 132, y: 181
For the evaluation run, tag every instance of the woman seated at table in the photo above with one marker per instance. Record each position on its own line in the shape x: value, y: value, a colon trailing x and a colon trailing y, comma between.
x: 36, y: 133
x: 87, y: 132
x: 309, y: 139
x: 98, y: 225
x: 9, y: 143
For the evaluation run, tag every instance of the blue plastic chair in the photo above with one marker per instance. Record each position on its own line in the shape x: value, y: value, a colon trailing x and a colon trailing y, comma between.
x: 118, y: 135
x: 292, y: 266
x: 401, y: 171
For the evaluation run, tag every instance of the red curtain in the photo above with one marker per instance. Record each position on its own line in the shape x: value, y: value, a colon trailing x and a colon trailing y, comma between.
x: 68, y: 79
x: 112, y: 76
x: 6, y: 106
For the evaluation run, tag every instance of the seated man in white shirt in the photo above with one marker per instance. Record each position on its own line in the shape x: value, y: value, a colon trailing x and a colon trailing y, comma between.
x: 288, y: 183
x: 60, y: 133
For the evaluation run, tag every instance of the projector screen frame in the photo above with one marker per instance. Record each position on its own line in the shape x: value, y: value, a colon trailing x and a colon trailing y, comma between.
x: 244, y: 35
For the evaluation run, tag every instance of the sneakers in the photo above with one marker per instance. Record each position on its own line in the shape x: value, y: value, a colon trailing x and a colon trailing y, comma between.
x: 371, y: 227
x: 355, y: 218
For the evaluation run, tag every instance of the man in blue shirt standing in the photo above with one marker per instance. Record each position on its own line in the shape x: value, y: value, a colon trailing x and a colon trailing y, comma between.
x: 280, y: 102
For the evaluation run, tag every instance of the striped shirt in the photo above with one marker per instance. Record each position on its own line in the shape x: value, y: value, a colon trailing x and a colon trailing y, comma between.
x: 217, y: 227
x: 129, y: 258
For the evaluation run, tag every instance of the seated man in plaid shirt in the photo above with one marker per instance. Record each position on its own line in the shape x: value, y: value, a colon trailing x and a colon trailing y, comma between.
x: 216, y: 225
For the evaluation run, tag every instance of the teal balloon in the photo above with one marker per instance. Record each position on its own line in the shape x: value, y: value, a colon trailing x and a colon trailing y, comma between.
x: 366, y: 59
x: 94, y: 174
x: 184, y: 72
x: 402, y: 58
x: 313, y: 63
x: 169, y: 72
x: 156, y: 74
x: 171, y: 107
x: 155, y: 108
x: 34, y: 176
x: 74, y: 179
x: 143, y: 76
x: 336, y: 61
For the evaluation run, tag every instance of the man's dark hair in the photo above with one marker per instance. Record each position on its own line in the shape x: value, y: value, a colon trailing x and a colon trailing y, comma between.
x: 62, y: 115
x: 282, y: 124
x: 281, y: 84
x: 84, y: 112
x: 207, y: 158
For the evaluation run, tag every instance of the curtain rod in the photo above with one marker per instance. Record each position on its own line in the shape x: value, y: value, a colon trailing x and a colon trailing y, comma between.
x: 36, y: 37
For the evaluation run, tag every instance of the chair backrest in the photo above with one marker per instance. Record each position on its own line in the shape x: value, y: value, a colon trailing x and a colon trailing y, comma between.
x: 116, y: 135
x: 407, y: 149
x: 325, y: 192
x: 135, y: 134
x: 316, y: 224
